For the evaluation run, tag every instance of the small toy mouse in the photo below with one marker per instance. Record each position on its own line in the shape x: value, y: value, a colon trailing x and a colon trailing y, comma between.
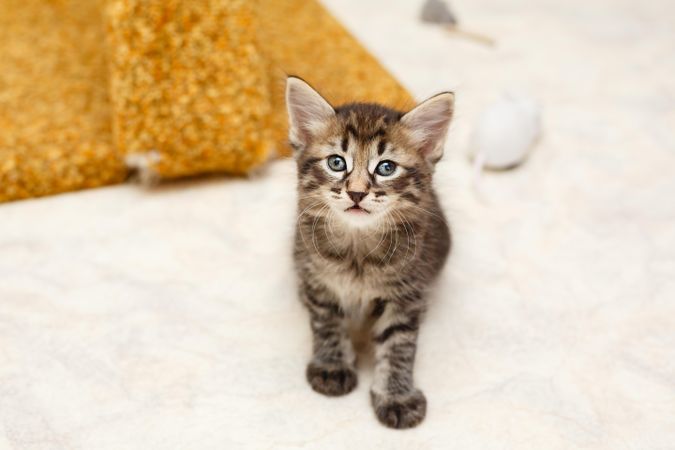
x: 505, y: 133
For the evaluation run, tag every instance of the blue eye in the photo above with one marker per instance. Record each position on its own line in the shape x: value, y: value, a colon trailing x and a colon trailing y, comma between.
x: 337, y: 163
x: 385, y: 168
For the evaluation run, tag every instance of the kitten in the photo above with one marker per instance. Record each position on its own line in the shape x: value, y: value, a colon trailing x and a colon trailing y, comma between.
x: 370, y: 238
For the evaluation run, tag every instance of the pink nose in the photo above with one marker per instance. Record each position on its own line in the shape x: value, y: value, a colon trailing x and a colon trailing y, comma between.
x: 356, y: 196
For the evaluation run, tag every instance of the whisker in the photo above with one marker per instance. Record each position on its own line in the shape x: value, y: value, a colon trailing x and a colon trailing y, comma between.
x: 395, y: 245
x: 431, y: 213
x: 412, y: 232
x: 316, y: 219
x: 329, y: 229
x: 405, y: 228
x: 389, y: 223
x: 307, y: 208
x: 300, y: 227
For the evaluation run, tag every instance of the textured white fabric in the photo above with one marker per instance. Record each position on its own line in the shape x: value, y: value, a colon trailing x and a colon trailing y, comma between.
x: 167, y: 319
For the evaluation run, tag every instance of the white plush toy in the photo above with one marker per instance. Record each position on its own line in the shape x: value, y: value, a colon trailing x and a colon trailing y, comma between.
x: 505, y: 133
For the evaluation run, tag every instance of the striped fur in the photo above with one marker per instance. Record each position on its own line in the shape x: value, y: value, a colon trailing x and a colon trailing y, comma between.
x: 372, y: 268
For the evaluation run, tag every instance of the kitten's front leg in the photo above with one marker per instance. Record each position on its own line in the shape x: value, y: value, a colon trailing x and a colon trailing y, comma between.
x: 397, y: 403
x: 331, y: 370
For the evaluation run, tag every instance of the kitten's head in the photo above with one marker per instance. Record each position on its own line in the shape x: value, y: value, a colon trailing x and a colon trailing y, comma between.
x: 365, y: 163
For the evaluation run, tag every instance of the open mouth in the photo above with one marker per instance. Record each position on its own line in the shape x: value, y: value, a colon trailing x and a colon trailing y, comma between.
x: 357, y: 209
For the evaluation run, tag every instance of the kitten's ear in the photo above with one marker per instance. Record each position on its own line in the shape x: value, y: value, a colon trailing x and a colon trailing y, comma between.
x: 307, y: 111
x: 428, y: 124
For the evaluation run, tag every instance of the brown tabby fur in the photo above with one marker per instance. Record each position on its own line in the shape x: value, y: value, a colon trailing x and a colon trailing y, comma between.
x: 376, y: 275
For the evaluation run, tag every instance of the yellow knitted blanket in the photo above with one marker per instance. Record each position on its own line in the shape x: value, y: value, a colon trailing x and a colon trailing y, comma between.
x: 91, y: 89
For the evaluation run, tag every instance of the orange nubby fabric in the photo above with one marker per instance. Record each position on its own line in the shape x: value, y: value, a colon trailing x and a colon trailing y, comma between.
x: 189, y: 83
x: 55, y: 127
x: 185, y: 86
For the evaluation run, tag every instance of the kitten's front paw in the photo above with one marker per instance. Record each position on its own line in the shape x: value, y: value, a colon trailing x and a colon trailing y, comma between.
x: 400, y: 411
x: 331, y: 379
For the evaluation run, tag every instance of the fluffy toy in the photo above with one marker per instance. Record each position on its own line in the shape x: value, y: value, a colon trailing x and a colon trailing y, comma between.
x: 505, y: 133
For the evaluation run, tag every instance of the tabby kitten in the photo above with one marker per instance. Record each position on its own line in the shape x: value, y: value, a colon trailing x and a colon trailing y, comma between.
x: 370, y: 238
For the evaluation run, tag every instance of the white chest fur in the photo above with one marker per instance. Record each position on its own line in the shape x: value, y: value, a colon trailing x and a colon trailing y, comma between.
x: 354, y: 293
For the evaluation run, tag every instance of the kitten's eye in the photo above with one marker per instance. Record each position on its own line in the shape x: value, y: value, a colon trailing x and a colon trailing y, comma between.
x: 385, y: 168
x: 337, y: 163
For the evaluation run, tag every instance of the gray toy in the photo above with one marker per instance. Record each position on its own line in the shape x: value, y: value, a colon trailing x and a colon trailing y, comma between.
x: 437, y: 11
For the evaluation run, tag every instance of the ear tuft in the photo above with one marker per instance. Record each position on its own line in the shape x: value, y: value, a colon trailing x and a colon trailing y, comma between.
x: 428, y: 124
x: 307, y: 111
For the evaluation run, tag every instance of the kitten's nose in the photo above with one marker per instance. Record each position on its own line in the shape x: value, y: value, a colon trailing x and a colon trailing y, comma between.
x: 356, y: 196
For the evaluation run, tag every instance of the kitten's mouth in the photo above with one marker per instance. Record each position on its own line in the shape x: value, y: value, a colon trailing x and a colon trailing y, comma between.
x: 356, y: 209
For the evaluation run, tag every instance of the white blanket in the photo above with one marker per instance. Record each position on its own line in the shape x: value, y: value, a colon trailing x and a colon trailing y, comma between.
x: 167, y: 318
